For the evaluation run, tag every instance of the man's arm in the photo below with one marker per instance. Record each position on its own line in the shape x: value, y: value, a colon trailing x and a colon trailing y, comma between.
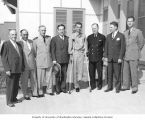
x: 53, y: 50
x: 123, y: 47
x: 141, y: 40
x: 4, y: 56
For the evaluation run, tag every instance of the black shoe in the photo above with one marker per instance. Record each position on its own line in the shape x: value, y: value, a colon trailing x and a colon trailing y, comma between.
x: 133, y: 92
x: 41, y: 96
x: 27, y: 98
x: 108, y: 90
x: 11, y: 105
x: 17, y: 101
x: 51, y: 94
x: 117, y: 91
x: 123, y: 89
x: 77, y: 89
x: 99, y: 87
x: 57, y: 93
x: 35, y: 96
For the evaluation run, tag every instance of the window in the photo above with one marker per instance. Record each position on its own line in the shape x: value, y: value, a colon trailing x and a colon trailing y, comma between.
x: 130, y: 8
x: 105, y: 14
x: 118, y: 11
x: 68, y: 17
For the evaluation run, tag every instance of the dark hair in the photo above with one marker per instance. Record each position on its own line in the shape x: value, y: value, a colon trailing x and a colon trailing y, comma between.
x: 131, y: 17
x: 114, y: 23
x: 78, y: 23
x: 60, y: 26
x: 95, y: 24
x: 23, y: 30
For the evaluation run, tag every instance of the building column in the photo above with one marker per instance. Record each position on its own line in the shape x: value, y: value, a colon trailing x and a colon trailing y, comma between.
x: 123, y: 15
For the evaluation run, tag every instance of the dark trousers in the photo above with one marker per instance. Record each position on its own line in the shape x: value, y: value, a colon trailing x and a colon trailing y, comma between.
x: 61, y: 80
x: 114, y: 68
x: 92, y: 71
x: 12, y: 86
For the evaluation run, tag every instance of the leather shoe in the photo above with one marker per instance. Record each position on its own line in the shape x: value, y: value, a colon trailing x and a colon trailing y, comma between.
x: 108, y: 90
x: 117, y: 91
x: 41, y: 95
x: 17, y: 101
x: 51, y: 94
x: 11, y: 105
x: 124, y: 89
x: 77, y: 89
x: 133, y: 92
x: 99, y: 87
x: 27, y: 98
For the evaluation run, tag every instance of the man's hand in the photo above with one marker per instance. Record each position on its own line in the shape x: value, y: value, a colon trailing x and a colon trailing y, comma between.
x: 54, y: 62
x: 105, y: 59
x: 8, y: 73
x: 119, y: 61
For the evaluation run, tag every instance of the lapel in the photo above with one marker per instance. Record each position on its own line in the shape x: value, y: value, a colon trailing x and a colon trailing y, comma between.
x: 13, y: 48
x: 60, y: 41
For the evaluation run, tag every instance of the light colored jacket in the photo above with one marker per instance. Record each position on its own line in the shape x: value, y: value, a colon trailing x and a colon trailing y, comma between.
x: 134, y: 43
x: 29, y: 58
x: 42, y: 52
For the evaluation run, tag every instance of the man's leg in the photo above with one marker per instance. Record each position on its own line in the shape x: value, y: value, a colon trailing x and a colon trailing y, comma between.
x: 134, y: 75
x: 126, y: 75
x: 92, y: 72
x: 99, y: 66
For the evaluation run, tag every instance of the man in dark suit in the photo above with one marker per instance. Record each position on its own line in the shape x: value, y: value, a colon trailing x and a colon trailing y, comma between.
x: 96, y: 43
x: 59, y: 53
x: 12, y: 59
x: 114, y: 53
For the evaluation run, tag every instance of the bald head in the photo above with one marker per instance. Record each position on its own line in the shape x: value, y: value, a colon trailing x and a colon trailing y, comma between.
x: 13, y: 34
x: 24, y: 34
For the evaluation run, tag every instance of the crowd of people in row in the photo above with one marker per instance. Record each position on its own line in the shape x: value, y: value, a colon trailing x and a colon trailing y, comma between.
x: 58, y: 62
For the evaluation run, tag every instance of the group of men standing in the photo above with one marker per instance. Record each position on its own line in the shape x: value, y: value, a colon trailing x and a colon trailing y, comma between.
x: 35, y: 60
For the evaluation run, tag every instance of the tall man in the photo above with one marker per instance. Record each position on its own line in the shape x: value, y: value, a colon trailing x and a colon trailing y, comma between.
x: 43, y: 60
x: 134, y: 44
x: 59, y: 52
x: 96, y: 43
x: 30, y: 65
x: 114, y: 53
x: 12, y: 59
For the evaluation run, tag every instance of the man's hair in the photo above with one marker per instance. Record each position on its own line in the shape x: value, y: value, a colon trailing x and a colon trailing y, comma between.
x: 95, y: 24
x: 12, y: 30
x: 131, y: 17
x: 78, y: 23
x: 60, y: 25
x: 114, y: 23
x: 41, y: 26
x: 23, y: 30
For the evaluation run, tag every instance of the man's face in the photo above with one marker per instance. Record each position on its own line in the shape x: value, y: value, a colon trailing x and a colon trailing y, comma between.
x: 112, y: 28
x: 78, y: 28
x: 24, y: 35
x: 95, y: 29
x: 13, y: 35
x: 61, y: 30
x: 130, y: 22
x: 42, y: 31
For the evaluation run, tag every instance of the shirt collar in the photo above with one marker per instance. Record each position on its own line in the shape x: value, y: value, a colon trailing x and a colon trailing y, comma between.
x: 115, y: 33
x: 62, y: 37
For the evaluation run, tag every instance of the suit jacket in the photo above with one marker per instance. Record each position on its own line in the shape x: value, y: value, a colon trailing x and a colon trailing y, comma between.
x: 42, y: 52
x: 115, y: 48
x: 29, y: 58
x: 134, y: 44
x: 11, y: 59
x: 59, y: 49
x: 96, y: 47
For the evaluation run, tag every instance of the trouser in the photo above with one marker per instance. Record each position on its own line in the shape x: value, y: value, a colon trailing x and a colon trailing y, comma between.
x: 92, y: 71
x: 130, y: 75
x: 12, y: 86
x: 114, y: 68
x: 29, y: 74
x: 43, y: 78
x: 61, y: 82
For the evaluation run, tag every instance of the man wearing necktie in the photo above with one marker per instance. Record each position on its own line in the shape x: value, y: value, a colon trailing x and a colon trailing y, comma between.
x: 30, y: 65
x: 114, y: 53
x: 13, y: 62
x: 43, y: 61
x: 95, y: 45
x: 59, y: 53
x: 134, y: 44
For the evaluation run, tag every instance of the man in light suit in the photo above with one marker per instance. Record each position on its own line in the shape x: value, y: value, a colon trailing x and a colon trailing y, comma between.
x: 12, y: 59
x: 30, y: 65
x: 134, y: 43
x: 114, y: 54
x: 41, y: 46
x: 59, y: 52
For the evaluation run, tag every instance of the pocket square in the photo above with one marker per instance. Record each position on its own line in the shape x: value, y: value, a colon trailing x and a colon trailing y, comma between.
x: 118, y: 39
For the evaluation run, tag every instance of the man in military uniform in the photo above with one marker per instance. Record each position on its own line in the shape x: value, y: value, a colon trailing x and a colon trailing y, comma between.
x: 41, y: 46
x: 96, y: 43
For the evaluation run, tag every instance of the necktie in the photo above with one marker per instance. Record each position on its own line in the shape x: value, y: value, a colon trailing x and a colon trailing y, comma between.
x: 129, y: 32
x: 17, y: 49
x: 44, y: 39
x: 113, y: 36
